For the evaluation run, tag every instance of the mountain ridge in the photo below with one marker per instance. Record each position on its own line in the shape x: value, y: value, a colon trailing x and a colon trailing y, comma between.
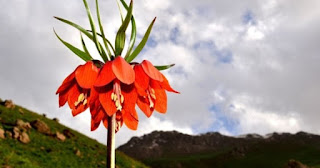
x: 178, y: 149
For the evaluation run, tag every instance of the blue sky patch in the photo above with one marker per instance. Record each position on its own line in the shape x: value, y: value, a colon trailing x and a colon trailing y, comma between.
x: 224, y: 121
x: 222, y: 55
x: 174, y: 34
x: 248, y: 18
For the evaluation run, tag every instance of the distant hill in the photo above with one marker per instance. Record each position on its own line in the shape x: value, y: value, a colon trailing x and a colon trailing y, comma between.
x: 30, y: 140
x: 277, y: 150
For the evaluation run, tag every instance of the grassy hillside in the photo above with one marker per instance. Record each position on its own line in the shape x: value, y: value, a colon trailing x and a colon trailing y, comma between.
x: 47, y: 151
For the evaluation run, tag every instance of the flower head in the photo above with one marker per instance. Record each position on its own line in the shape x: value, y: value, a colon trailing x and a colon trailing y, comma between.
x: 151, y: 85
x: 116, y: 91
x: 115, y: 87
x: 75, y: 89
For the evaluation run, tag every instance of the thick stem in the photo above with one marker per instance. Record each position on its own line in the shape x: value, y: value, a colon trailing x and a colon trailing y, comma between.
x: 111, y: 142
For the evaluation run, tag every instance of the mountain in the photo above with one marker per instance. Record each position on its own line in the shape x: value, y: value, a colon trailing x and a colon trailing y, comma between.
x: 173, y: 149
x: 30, y: 140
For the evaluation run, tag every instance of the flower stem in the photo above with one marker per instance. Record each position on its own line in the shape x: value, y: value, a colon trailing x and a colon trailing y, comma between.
x: 111, y: 142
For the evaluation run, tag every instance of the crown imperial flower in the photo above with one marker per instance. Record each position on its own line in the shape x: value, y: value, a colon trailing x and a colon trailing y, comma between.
x: 75, y: 89
x: 151, y: 86
x: 111, y: 89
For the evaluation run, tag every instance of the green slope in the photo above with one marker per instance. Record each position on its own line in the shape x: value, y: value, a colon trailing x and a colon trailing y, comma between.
x: 47, y: 151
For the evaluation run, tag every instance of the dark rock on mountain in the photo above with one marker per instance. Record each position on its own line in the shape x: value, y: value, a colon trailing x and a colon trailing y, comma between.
x: 8, y: 104
x: 2, y: 135
x: 55, y: 119
x: 23, y: 125
x: 68, y: 133
x: 24, y: 138
x: 295, y: 164
x: 20, y: 134
x: 60, y: 136
x: 41, y: 127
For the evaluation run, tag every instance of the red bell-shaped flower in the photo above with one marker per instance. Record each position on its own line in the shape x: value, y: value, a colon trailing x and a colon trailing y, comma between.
x: 98, y: 114
x: 151, y: 85
x: 75, y: 89
x: 117, y: 93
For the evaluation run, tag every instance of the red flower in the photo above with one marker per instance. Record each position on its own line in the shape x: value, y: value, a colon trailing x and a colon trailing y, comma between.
x: 151, y: 85
x: 98, y: 113
x: 117, y: 93
x: 75, y: 89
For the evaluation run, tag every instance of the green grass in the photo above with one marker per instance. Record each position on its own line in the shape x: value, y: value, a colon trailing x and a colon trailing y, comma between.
x: 46, y: 151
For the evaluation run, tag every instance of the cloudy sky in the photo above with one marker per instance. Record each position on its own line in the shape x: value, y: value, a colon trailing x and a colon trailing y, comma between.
x: 247, y: 66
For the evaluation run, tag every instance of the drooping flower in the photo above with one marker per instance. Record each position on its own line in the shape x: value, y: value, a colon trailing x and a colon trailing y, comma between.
x: 151, y: 85
x: 116, y: 90
x: 75, y: 89
x: 98, y: 114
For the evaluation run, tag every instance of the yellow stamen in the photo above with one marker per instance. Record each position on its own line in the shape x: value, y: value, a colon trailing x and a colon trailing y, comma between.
x: 76, y: 103
x: 112, y: 96
x: 82, y: 98
x: 150, y: 101
x: 118, y: 105
x: 85, y: 102
x: 121, y: 98
x: 153, y: 96
x: 152, y: 91
x: 116, y: 95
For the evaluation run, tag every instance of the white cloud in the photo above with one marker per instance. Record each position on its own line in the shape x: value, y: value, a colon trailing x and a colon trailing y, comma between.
x: 254, y: 119
x: 253, y: 33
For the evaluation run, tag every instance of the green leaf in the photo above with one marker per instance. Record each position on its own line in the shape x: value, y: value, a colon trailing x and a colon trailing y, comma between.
x: 75, y: 50
x: 94, y: 33
x: 133, y: 31
x: 84, y: 31
x: 84, y: 45
x: 102, y: 33
x: 143, y: 42
x: 93, y: 28
x: 164, y: 67
x: 121, y: 34
x: 121, y: 15
x: 133, y: 36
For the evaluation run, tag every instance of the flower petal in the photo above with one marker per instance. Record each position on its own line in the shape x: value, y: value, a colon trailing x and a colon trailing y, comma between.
x: 144, y: 106
x: 67, y: 83
x: 130, y: 97
x: 74, y: 93
x: 123, y: 71
x: 105, y: 75
x: 151, y: 71
x: 141, y: 78
x: 130, y: 118
x: 140, y: 90
x: 94, y: 124
x: 63, y: 98
x: 160, y: 103
x: 86, y: 75
x: 94, y: 97
x: 165, y: 84
x: 105, y: 100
